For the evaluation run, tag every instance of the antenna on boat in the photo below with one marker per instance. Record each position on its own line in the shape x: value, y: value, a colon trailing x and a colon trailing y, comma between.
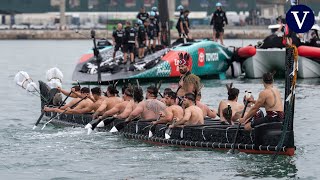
x: 97, y: 55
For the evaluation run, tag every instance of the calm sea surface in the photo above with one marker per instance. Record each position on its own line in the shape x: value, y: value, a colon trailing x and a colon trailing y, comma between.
x: 69, y: 153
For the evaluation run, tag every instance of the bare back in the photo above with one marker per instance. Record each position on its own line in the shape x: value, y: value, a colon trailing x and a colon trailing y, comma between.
x: 194, y: 115
x: 176, y: 111
x: 235, y: 106
x: 271, y: 99
x: 152, y: 108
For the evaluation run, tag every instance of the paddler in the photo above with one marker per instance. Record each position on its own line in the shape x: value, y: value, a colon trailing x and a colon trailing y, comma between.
x: 86, y: 107
x: 270, y: 99
x: 127, y: 96
x: 172, y: 111
x: 150, y: 108
x: 232, y: 101
x: 109, y: 102
x: 193, y: 115
x: 188, y: 83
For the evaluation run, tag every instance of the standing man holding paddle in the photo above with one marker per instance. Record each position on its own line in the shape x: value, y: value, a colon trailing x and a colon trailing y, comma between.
x: 270, y: 99
x: 188, y: 83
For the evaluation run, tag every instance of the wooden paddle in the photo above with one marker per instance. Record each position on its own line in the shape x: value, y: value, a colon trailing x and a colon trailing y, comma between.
x: 248, y: 95
x: 63, y: 112
x: 48, y: 102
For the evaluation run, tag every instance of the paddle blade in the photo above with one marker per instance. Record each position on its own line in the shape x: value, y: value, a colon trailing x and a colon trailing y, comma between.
x: 119, y: 126
x: 150, y: 134
x: 88, y: 126
x: 101, y: 124
x: 167, y: 134
x: 113, y: 130
x: 89, y: 131
x: 152, y: 130
x: 34, y: 127
x: 106, y: 122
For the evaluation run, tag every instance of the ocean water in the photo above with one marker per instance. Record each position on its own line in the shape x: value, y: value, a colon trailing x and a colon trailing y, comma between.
x: 69, y: 153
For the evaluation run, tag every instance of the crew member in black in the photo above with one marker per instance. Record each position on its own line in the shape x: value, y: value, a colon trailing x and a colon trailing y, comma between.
x: 142, y: 14
x: 156, y: 28
x: 129, y: 41
x: 179, y: 8
x: 219, y: 19
x: 150, y: 28
x: 157, y: 23
x: 117, y: 36
x: 183, y: 25
x: 141, y: 38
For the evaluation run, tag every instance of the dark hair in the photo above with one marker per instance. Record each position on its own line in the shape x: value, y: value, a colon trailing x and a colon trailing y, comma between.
x: 96, y: 91
x: 85, y: 90
x: 128, y: 92
x: 166, y: 91
x: 112, y: 90
x: 268, y: 77
x: 172, y: 95
x: 232, y: 92
x: 190, y: 96
x: 153, y: 90
x: 137, y: 94
x: 76, y: 88
x: 186, y: 11
x: 124, y: 87
x: 227, y: 113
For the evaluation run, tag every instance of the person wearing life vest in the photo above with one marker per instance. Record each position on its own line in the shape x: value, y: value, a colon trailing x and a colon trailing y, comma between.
x: 157, y: 23
x: 181, y: 10
x: 143, y: 15
x: 184, y: 24
x: 117, y: 36
x: 141, y: 39
x: 152, y: 34
x: 129, y: 42
x: 218, y: 20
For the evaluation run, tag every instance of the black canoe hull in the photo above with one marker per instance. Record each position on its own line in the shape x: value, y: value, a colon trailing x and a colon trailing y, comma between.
x: 209, y: 136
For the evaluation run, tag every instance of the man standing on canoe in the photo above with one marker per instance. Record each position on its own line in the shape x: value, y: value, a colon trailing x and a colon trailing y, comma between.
x: 109, y: 102
x: 270, y: 99
x: 148, y: 109
x: 172, y: 110
x: 189, y: 83
x: 193, y: 115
